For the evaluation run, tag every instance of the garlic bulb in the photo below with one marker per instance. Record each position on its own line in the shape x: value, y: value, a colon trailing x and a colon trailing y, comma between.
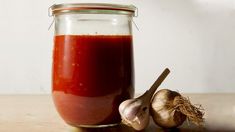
x: 162, y: 109
x: 169, y: 109
x: 135, y: 112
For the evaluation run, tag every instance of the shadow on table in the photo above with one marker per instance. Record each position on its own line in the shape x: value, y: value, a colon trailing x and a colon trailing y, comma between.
x: 124, y: 128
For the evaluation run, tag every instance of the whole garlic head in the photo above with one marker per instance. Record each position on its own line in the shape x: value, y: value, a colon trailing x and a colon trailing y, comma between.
x: 134, y: 114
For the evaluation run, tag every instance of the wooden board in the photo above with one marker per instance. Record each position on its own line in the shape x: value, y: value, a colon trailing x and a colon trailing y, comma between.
x: 36, y: 113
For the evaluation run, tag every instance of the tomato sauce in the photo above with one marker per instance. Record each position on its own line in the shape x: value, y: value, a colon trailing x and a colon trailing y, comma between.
x: 92, y: 75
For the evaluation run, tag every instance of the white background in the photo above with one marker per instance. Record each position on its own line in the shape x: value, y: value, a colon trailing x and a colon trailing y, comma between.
x: 194, y: 38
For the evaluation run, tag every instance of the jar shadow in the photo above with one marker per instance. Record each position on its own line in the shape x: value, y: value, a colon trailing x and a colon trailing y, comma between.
x: 124, y: 128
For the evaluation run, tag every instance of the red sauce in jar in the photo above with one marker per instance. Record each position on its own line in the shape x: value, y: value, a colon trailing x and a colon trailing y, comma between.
x: 92, y: 75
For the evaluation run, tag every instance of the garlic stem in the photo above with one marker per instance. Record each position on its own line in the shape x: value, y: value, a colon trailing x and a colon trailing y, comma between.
x: 149, y: 93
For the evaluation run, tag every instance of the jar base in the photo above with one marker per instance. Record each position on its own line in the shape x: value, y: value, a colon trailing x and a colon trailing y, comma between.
x: 119, y: 127
x: 93, y: 126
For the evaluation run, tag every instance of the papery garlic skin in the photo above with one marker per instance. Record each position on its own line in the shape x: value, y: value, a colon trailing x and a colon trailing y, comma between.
x: 134, y: 114
x: 129, y: 108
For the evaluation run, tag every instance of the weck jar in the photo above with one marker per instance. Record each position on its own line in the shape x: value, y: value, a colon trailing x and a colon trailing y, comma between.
x: 92, y: 70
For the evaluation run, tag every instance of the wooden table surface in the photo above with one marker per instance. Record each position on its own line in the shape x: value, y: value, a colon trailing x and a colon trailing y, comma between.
x: 36, y: 113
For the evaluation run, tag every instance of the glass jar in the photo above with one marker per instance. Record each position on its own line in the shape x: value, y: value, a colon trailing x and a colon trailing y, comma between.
x: 92, y: 62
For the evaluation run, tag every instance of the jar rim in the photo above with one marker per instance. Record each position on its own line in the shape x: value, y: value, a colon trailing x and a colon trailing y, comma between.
x: 99, y: 8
